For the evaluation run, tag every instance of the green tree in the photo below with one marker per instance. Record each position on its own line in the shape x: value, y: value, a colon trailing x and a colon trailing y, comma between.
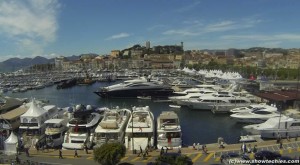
x: 173, y: 159
x: 109, y: 153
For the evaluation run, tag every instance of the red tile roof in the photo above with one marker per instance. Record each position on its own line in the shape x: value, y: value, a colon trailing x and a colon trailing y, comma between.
x: 280, y: 95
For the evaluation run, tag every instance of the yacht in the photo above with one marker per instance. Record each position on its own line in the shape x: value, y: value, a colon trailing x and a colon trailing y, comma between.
x: 252, y: 107
x: 112, y: 126
x: 135, y: 88
x: 190, y: 95
x: 255, y: 116
x: 187, y: 91
x: 55, y: 130
x: 168, y: 130
x: 140, y: 129
x: 33, y: 126
x: 238, y: 106
x: 282, y: 126
x: 82, y: 124
x: 207, y: 102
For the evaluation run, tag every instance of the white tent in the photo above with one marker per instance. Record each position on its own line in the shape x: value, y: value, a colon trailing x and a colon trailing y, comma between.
x: 10, y: 144
x: 34, y: 110
x: 35, y: 114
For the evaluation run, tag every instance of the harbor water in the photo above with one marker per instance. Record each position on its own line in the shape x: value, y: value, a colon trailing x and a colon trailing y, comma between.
x: 197, y: 126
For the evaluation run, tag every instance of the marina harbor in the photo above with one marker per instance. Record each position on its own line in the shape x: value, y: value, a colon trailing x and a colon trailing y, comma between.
x: 187, y: 112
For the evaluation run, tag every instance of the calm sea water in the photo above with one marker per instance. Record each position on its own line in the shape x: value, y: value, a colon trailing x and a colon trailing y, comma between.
x: 197, y: 126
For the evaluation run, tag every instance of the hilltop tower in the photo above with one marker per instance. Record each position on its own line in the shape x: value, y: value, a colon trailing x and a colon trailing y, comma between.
x: 182, y: 45
x: 147, y: 44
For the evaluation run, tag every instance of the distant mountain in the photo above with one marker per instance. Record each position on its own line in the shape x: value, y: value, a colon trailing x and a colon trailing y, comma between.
x: 14, y: 64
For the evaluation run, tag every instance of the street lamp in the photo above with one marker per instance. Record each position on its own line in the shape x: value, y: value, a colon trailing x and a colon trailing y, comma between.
x: 132, y: 142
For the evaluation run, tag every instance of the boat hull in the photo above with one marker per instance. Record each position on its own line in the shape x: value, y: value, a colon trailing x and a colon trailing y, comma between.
x: 154, y: 93
x: 283, y: 133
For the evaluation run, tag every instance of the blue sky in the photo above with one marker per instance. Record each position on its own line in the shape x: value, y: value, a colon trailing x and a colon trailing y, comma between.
x: 71, y: 27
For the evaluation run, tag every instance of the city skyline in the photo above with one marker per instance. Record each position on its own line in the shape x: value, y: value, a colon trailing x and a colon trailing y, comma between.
x: 51, y: 28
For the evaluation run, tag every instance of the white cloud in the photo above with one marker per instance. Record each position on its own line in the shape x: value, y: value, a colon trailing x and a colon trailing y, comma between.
x: 273, y: 37
x: 188, y: 7
x: 196, y: 28
x: 270, y: 40
x: 31, y: 24
x: 118, y: 36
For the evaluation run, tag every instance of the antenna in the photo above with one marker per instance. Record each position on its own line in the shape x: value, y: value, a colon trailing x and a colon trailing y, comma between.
x: 264, y: 54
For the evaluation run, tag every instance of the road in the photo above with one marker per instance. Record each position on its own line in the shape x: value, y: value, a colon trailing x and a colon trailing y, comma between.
x: 291, y: 148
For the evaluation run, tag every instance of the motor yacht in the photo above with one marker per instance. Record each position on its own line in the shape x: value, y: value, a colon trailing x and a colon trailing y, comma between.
x: 207, y: 102
x: 82, y: 124
x: 240, y: 107
x: 168, y: 130
x: 112, y: 126
x: 281, y: 126
x: 55, y: 130
x: 190, y: 95
x: 135, y: 88
x: 140, y: 129
x: 255, y: 116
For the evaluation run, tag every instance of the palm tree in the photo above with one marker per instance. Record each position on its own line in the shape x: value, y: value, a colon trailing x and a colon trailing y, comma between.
x: 109, y: 153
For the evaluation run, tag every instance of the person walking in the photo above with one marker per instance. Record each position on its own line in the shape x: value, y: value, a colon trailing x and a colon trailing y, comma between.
x: 194, y: 146
x: 141, y: 151
x: 86, y: 149
x: 60, y: 154
x: 162, y: 151
x: 167, y: 149
x: 17, y: 159
x: 179, y: 150
x: 75, y: 153
x: 221, y: 144
x: 249, y: 149
x: 255, y: 149
x: 146, y: 151
x: 37, y: 147
x: 27, y: 152
x: 280, y: 144
x: 244, y: 148
x: 204, y: 149
x: 198, y: 146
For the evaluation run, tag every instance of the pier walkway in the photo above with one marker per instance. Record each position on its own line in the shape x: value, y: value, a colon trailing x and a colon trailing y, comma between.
x: 289, y: 147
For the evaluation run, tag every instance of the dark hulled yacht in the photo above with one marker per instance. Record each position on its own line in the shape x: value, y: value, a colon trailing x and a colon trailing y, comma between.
x: 136, y: 87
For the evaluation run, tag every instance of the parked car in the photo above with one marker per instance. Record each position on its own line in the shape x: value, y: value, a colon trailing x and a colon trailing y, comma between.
x: 261, y: 155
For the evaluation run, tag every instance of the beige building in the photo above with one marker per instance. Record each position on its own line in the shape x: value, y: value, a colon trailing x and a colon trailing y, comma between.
x: 115, y: 53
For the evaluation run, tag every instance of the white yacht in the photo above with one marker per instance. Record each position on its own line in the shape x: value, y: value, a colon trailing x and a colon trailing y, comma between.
x: 282, y: 126
x: 112, y: 126
x: 252, y: 107
x: 140, y: 129
x: 187, y: 91
x: 190, y: 95
x: 207, y: 102
x: 82, y: 125
x: 255, y: 116
x: 168, y: 130
x: 55, y: 130
x: 32, y: 126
